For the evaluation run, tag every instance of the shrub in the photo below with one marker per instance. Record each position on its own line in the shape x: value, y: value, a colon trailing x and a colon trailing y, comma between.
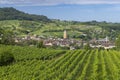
x: 40, y: 44
x: 6, y: 58
x: 87, y: 46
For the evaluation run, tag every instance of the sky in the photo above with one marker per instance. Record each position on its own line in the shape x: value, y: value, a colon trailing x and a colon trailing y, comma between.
x: 77, y: 10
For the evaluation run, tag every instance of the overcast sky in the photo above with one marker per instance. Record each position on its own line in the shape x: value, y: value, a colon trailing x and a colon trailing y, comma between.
x: 56, y: 2
x: 81, y: 10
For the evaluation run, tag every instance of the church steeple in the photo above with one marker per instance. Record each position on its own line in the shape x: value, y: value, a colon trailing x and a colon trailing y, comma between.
x: 65, y: 34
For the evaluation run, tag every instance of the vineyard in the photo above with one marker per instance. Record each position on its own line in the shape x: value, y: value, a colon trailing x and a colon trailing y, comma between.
x: 44, y: 64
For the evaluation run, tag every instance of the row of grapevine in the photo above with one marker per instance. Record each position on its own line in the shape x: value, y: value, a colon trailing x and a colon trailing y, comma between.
x: 71, y: 65
x: 30, y: 53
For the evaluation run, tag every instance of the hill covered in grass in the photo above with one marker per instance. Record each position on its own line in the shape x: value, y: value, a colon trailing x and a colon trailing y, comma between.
x: 53, y: 29
x: 22, y: 24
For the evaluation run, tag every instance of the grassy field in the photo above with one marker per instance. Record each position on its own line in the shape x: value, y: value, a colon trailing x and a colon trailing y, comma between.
x: 44, y: 64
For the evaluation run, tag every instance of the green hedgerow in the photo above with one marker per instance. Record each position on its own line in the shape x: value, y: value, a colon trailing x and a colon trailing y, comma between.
x: 6, y: 57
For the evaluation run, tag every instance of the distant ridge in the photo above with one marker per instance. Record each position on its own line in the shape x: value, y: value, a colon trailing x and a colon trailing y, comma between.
x: 10, y: 13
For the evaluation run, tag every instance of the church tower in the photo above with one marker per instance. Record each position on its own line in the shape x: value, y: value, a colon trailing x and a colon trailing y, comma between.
x: 65, y: 34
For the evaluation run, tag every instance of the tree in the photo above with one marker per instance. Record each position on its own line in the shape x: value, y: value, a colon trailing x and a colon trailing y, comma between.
x: 87, y: 46
x: 6, y: 57
x: 40, y: 44
x: 7, y: 37
x: 117, y: 43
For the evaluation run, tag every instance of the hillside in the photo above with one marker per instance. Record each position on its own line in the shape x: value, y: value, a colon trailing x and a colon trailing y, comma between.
x: 54, y: 29
x: 43, y: 64
x: 22, y: 24
x: 32, y: 60
x: 13, y: 14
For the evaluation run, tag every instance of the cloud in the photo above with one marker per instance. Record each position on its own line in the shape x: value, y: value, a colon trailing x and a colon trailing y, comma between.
x: 57, y: 2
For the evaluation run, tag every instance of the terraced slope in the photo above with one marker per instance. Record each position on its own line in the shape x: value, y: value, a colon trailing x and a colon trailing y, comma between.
x: 23, y: 27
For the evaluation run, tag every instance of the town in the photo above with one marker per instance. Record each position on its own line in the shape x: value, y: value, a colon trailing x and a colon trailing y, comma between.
x: 67, y: 42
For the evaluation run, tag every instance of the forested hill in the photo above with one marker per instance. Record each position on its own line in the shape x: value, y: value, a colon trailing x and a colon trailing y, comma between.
x: 10, y: 13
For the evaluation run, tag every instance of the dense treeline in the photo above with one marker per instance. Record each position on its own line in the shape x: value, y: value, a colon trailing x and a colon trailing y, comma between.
x: 6, y: 37
x: 13, y: 14
x: 105, y: 25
